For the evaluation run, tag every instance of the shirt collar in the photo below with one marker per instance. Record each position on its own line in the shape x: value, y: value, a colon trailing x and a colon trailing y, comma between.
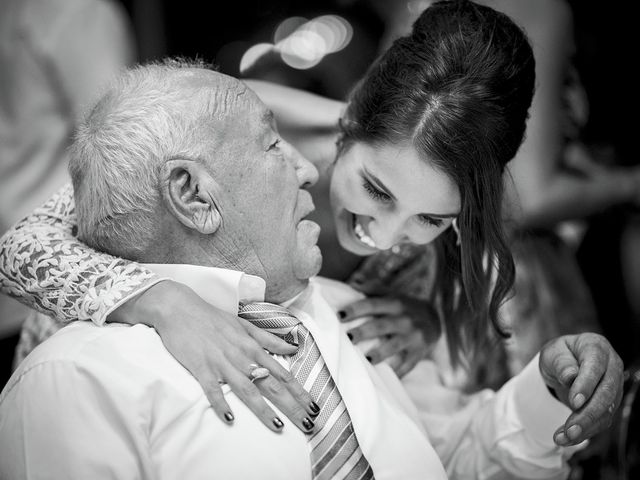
x: 220, y: 287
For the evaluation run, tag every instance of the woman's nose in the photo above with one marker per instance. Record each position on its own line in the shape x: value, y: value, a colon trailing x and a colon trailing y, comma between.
x: 387, y: 233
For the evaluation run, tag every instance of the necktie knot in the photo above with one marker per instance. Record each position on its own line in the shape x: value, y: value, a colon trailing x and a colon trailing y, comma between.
x: 269, y: 316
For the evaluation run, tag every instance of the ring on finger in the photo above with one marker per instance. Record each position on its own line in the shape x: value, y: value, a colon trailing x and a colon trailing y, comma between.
x: 257, y: 372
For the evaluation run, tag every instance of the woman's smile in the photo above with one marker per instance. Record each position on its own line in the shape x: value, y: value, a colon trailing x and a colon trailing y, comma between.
x: 360, y: 231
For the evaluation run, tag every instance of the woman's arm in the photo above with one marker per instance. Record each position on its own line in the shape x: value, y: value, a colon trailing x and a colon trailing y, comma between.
x: 45, y: 266
x: 297, y: 110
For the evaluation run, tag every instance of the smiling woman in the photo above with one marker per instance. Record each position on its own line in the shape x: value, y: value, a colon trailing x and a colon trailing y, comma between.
x: 425, y: 137
x: 387, y: 195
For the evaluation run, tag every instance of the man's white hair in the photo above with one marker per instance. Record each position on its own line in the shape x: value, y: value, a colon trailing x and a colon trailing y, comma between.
x: 145, y: 118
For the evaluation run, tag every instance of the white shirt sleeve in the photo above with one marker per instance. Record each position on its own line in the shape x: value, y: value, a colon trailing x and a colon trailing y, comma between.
x: 59, y: 407
x: 492, y: 435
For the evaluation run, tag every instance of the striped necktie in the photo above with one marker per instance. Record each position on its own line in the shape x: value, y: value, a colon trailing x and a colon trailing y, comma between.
x: 335, y: 453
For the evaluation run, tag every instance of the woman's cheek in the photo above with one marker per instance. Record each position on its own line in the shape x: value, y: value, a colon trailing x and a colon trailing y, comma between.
x: 343, y: 190
x: 425, y: 237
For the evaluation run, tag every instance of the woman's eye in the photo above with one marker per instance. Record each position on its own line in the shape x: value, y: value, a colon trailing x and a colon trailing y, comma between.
x: 375, y: 193
x: 430, y: 221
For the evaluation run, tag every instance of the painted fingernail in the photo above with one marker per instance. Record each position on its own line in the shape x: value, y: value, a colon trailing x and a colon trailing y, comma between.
x: 561, y: 438
x: 574, y: 431
x: 342, y: 314
x: 314, y: 407
x: 228, y: 416
x: 307, y: 423
x: 277, y: 422
x: 368, y: 357
x: 578, y: 400
x: 350, y: 335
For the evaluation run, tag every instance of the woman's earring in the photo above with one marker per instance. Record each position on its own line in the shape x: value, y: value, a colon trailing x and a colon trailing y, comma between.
x: 454, y: 225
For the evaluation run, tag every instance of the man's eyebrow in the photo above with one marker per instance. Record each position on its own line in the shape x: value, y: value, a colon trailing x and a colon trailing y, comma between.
x: 267, y: 117
x: 378, y: 184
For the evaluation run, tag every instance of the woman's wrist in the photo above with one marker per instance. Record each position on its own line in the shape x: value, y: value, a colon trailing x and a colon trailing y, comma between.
x: 151, y: 307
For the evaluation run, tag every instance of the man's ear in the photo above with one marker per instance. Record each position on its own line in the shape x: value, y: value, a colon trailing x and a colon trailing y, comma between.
x: 188, y: 192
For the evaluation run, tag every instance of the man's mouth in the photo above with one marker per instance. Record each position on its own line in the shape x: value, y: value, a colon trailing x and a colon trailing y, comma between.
x: 305, y: 226
x: 305, y: 205
x: 361, y: 234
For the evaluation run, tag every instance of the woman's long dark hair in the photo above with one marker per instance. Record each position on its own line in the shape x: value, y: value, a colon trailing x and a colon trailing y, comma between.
x: 459, y: 88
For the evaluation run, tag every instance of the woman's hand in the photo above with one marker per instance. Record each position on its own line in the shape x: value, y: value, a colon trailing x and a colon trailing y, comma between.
x: 217, y: 348
x: 406, y: 328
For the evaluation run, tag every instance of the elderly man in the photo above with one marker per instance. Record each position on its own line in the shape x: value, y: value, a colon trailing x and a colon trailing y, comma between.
x: 226, y: 216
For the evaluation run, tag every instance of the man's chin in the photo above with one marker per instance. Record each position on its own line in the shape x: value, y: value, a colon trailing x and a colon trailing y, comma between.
x: 309, y: 265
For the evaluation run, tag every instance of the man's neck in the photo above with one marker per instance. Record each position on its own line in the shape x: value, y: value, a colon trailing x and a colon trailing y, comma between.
x: 224, y: 255
x: 284, y: 293
x: 223, y: 287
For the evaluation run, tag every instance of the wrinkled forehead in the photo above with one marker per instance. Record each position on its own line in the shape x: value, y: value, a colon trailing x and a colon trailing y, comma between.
x: 222, y: 94
x: 225, y: 104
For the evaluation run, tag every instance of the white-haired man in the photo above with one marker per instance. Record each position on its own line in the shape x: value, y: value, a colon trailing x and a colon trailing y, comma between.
x: 182, y: 168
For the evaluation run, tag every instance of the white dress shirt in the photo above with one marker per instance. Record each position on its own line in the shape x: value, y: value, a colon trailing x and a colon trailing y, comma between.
x: 502, y: 435
x: 111, y: 402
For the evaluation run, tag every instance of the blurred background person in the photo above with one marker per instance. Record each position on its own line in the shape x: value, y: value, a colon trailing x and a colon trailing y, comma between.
x: 54, y: 55
x: 609, y: 252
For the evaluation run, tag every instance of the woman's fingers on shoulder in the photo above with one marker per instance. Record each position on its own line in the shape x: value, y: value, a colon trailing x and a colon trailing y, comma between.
x: 409, y: 362
x: 381, y: 326
x: 250, y: 395
x: 401, y: 352
x: 284, y: 390
x: 213, y: 390
x: 370, y: 306
x: 395, y: 345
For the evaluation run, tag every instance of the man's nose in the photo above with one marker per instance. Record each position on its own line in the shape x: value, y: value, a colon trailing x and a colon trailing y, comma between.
x: 306, y: 172
x: 387, y: 232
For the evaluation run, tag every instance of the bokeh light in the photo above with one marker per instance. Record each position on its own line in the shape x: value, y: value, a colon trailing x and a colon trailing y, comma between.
x: 287, y: 27
x: 303, y: 43
x: 302, y: 49
x: 336, y: 31
x: 253, y: 54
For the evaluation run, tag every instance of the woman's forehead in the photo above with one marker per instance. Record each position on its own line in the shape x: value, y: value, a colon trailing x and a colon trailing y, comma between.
x: 408, y: 175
